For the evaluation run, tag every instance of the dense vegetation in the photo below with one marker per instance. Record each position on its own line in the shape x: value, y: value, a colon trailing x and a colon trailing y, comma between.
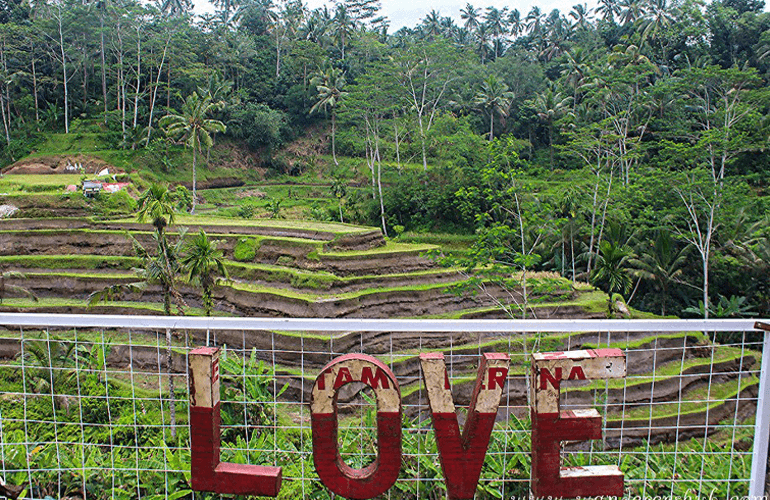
x: 624, y: 145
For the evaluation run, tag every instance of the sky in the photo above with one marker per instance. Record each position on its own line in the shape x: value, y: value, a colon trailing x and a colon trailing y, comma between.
x: 409, y: 12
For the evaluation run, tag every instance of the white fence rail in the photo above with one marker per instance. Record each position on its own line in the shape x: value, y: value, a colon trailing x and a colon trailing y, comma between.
x: 96, y: 406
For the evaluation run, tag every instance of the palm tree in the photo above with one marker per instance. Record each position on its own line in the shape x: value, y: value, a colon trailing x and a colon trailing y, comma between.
x: 496, y: 98
x: 329, y: 84
x: 534, y: 20
x: 344, y: 26
x: 549, y: 106
x: 630, y: 11
x: 496, y: 21
x: 193, y: 127
x: 339, y: 189
x: 432, y: 24
x: 515, y: 23
x: 612, y: 274
x: 204, y: 262
x: 175, y: 8
x: 162, y: 268
x: 662, y: 264
x: 608, y: 9
x: 580, y: 13
x: 471, y: 17
x: 156, y: 204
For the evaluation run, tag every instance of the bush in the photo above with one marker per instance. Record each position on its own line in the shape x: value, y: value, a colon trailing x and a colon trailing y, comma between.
x: 120, y: 202
x: 259, y: 125
x: 245, y: 250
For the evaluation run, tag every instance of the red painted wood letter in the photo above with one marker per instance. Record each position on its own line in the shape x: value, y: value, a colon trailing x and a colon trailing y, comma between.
x: 550, y: 426
x: 334, y: 473
x: 207, y: 472
x: 463, y: 456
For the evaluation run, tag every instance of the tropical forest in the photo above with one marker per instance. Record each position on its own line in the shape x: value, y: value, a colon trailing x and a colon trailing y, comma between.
x: 267, y: 159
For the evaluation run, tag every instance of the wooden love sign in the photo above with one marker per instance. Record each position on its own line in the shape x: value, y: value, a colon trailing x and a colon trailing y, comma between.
x: 461, y: 452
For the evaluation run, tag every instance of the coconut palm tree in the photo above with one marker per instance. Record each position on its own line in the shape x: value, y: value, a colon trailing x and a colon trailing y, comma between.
x: 431, y: 25
x: 581, y: 13
x: 497, y: 23
x: 535, y: 20
x: 329, y: 84
x: 515, y: 23
x: 344, y: 26
x: 204, y: 262
x: 470, y: 16
x: 663, y: 263
x: 549, y: 106
x: 495, y: 98
x: 608, y: 9
x: 193, y: 127
x: 156, y: 204
x: 612, y: 273
x: 339, y: 189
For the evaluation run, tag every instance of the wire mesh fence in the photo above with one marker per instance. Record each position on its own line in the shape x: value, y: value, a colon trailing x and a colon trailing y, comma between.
x: 98, y: 407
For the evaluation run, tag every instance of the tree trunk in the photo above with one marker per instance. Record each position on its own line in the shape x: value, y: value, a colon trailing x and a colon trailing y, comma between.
x: 491, y: 125
x: 34, y: 93
x: 104, y: 69
x: 379, y: 179
x: 6, y: 115
x: 64, y: 71
x: 154, y: 94
x: 334, y: 147
x: 706, y: 286
x: 195, y: 161
x: 422, y: 139
x: 398, y: 149
x: 138, y: 75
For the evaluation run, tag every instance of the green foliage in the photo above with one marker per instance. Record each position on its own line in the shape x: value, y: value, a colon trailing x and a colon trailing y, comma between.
x: 259, y: 125
x: 119, y: 203
x: 246, y: 249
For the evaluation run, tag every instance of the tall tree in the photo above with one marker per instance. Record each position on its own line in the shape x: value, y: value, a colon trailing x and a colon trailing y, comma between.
x: 662, y: 263
x: 193, y: 127
x: 494, y: 98
x: 329, y: 84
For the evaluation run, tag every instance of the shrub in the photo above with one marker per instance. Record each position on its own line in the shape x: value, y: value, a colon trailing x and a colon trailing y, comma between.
x: 120, y: 202
x: 245, y: 250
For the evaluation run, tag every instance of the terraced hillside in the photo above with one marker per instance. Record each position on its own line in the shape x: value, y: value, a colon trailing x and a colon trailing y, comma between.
x: 297, y: 269
x: 285, y: 268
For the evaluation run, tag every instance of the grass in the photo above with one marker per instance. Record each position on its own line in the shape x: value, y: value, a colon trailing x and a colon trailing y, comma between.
x: 20, y: 182
x: 389, y: 247
x: 335, y: 228
x: 82, y: 304
x: 69, y: 261
x: 699, y: 401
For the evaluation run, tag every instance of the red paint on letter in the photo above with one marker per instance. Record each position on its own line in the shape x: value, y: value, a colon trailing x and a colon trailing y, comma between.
x: 335, y: 474
x: 497, y: 377
x: 380, y: 379
x: 343, y: 377
x: 462, y: 455
x: 577, y: 373
x: 546, y: 377
x: 207, y: 472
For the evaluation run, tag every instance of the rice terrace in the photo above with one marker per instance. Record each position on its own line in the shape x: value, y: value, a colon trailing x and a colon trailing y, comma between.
x: 269, y: 248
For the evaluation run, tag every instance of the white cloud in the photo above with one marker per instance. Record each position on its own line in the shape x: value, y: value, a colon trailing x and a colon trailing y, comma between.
x: 409, y: 13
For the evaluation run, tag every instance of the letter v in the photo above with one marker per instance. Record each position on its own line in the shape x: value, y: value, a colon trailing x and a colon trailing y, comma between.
x: 462, y: 456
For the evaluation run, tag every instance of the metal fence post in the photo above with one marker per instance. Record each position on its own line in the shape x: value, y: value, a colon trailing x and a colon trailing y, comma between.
x: 762, y: 425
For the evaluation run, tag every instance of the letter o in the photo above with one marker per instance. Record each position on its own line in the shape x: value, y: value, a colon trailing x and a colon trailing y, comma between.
x: 335, y: 474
